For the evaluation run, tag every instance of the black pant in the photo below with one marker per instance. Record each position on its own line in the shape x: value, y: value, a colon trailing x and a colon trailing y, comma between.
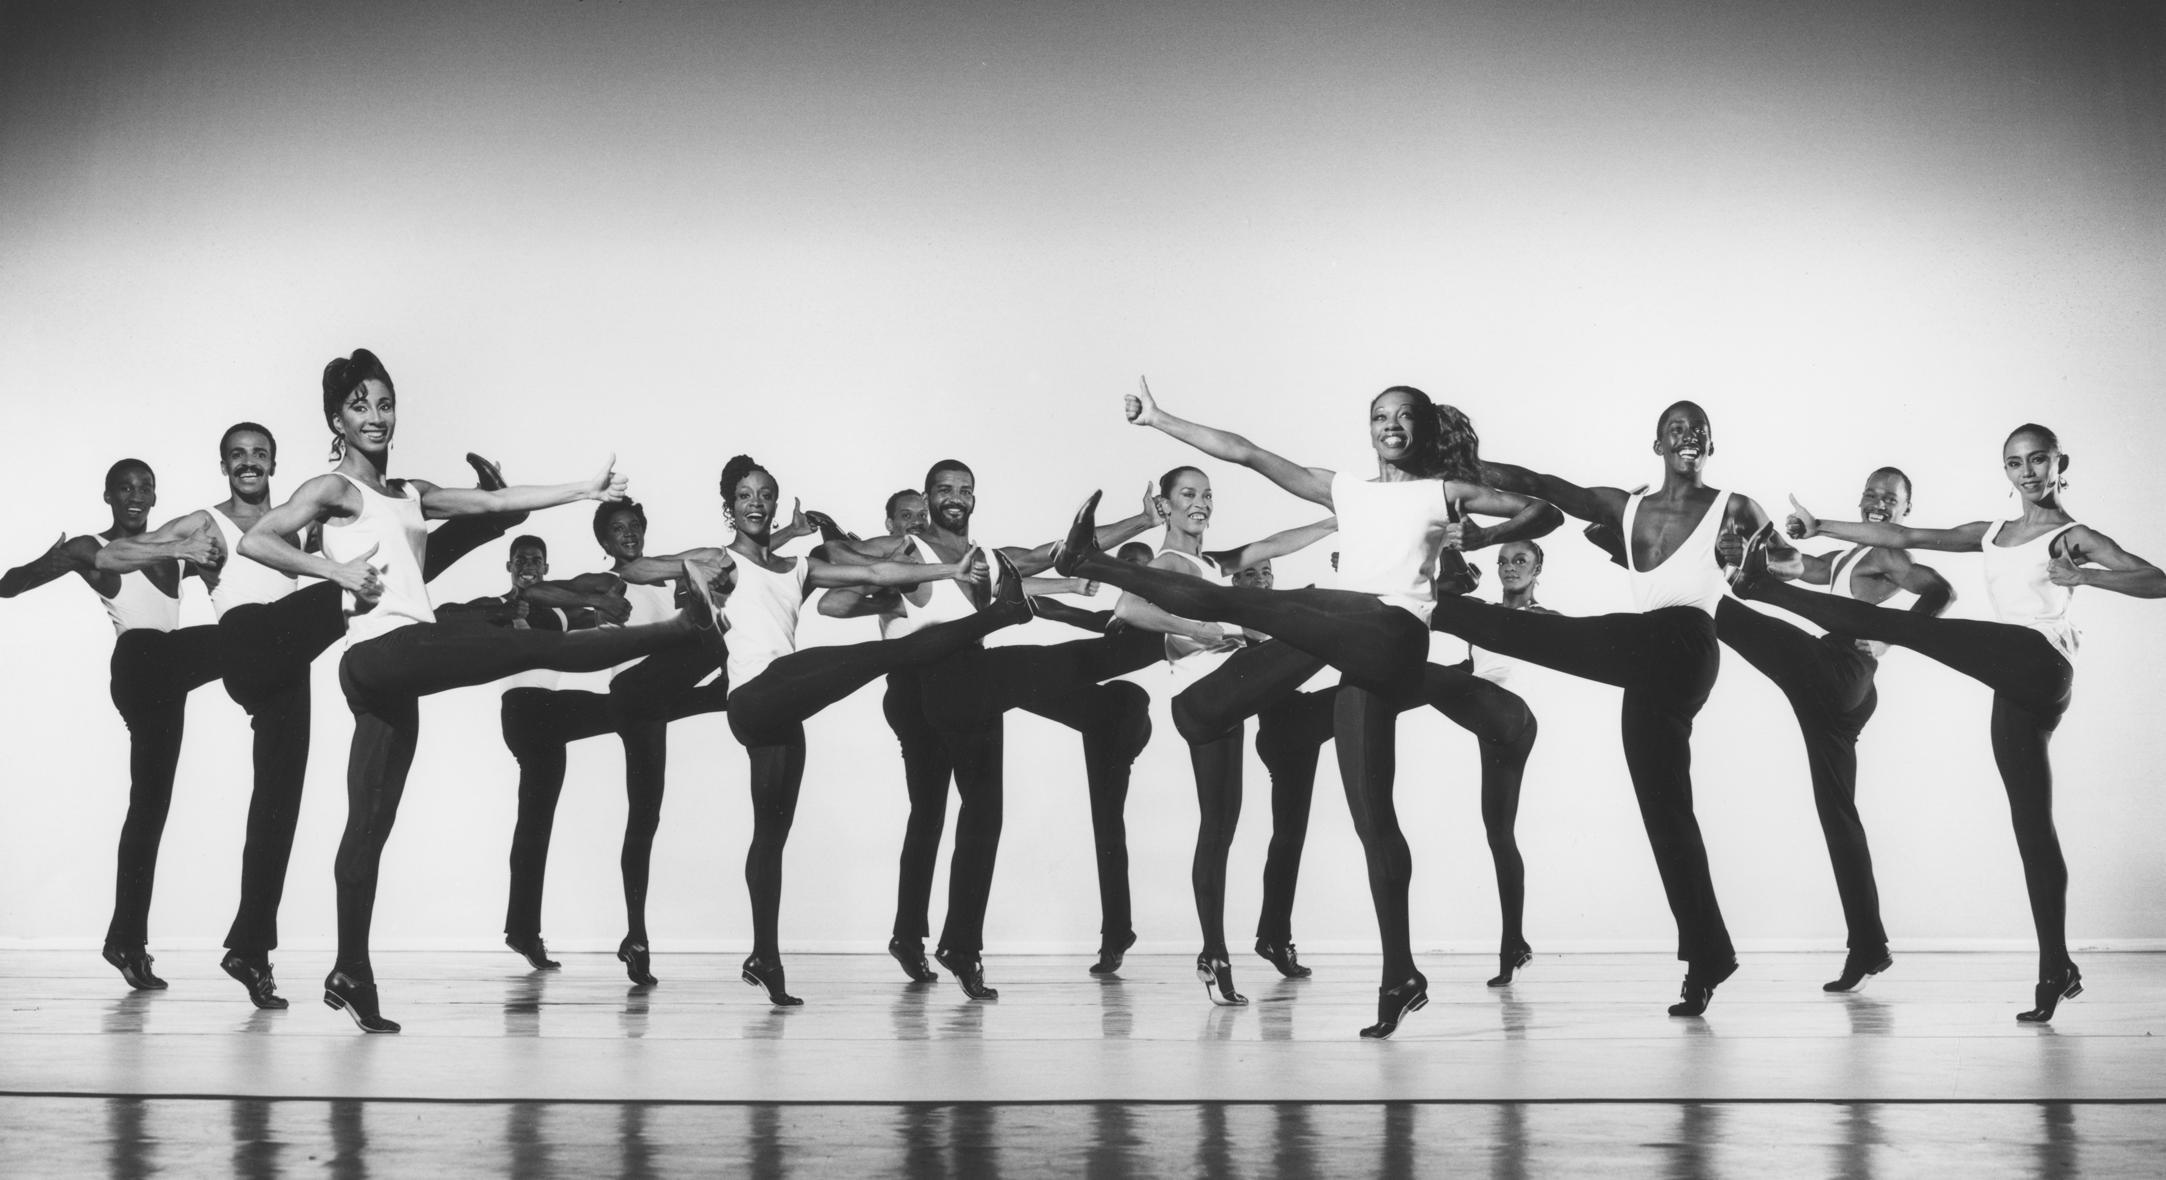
x: 384, y: 679
x: 1665, y: 661
x: 153, y: 673
x: 1828, y: 681
x: 2032, y: 683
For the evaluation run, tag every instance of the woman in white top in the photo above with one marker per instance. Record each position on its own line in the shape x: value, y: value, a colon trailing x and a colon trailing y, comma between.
x: 1195, y: 651
x: 374, y: 538
x: 1373, y: 629
x: 775, y: 688
x: 2032, y: 566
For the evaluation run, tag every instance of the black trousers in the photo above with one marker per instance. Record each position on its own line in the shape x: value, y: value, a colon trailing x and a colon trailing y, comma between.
x: 152, y: 674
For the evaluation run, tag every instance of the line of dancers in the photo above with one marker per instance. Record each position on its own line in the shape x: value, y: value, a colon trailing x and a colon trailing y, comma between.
x: 660, y: 638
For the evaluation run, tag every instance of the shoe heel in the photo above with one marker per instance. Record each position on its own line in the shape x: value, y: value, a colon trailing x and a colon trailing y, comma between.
x: 331, y: 1001
x: 1420, y: 1002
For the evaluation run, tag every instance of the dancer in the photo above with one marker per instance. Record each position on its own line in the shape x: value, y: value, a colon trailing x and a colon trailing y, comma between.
x: 1663, y: 655
x: 156, y: 663
x: 396, y: 650
x: 1392, y: 529
x: 948, y: 720
x: 1828, y: 681
x: 1192, y: 651
x: 2033, y: 565
x: 775, y: 687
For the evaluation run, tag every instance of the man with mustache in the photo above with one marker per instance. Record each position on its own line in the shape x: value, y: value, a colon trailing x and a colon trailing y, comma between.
x: 269, y: 631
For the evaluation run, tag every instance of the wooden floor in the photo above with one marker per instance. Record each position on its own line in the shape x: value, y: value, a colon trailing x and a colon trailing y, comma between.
x: 1576, y: 1067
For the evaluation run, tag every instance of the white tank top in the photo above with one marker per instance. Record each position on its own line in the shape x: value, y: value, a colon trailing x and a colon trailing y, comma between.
x: 243, y: 580
x: 1839, y: 585
x: 650, y: 604
x: 2021, y: 593
x: 762, y: 616
x: 946, y: 601
x: 395, y: 526
x: 1688, y: 576
x: 141, y: 605
x: 1389, y: 537
x: 1490, y: 666
x: 1192, y: 658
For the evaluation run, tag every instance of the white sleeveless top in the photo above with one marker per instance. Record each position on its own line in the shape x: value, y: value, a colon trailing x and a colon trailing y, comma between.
x: 1839, y: 585
x: 650, y: 604
x: 762, y: 617
x: 243, y: 580
x: 1490, y: 666
x: 1190, y: 657
x: 2021, y: 593
x: 946, y: 601
x: 395, y: 526
x: 140, y: 605
x: 1389, y: 537
x: 1688, y: 576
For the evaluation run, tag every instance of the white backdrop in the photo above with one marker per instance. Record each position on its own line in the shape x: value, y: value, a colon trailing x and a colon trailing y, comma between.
x: 852, y: 239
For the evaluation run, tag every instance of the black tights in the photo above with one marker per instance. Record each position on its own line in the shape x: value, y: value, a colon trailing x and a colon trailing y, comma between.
x: 1829, y: 683
x: 2031, y: 684
x: 384, y: 679
x: 1665, y: 660
x: 767, y: 715
x: 153, y: 673
x: 1370, y: 642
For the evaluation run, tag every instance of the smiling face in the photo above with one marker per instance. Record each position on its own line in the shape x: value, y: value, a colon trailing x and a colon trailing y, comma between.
x: 1517, y: 566
x: 529, y: 564
x: 1186, y: 503
x: 132, y: 494
x: 1395, y: 426
x: 1684, y: 439
x: 624, y: 536
x: 911, y: 516
x: 2034, y: 465
x: 952, y: 496
x: 752, y: 504
x: 367, y: 418
x: 1885, y: 500
x: 1255, y: 577
x: 248, y: 463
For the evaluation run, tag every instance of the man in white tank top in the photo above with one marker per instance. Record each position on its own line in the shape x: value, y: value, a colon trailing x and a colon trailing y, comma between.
x: 931, y: 754
x: 156, y: 664
x: 1663, y: 654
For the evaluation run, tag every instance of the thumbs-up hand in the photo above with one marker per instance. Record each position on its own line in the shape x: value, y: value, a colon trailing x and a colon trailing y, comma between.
x: 2063, y: 572
x: 1459, y: 532
x: 1140, y: 406
x: 607, y: 484
x: 1802, y: 523
x: 360, y: 578
x: 1730, y: 547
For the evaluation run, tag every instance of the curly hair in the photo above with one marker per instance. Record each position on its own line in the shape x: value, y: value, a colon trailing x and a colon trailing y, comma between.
x: 609, y: 508
x: 340, y: 378
x: 1445, y: 444
x: 734, y: 472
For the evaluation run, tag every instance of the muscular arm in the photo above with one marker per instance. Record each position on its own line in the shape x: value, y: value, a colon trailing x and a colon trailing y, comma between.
x: 897, y: 574
x: 1961, y: 539
x: 2085, y: 548
x: 1933, y: 591
x: 653, y: 571
x: 191, y: 538
x: 76, y: 555
x: 857, y: 602
x: 270, y: 539
x: 1525, y: 516
x: 1278, y: 544
x: 1110, y: 536
x: 1597, y: 505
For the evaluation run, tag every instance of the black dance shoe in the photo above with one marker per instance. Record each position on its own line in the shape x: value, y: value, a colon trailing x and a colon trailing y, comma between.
x: 1856, y: 969
x: 530, y: 946
x: 342, y: 992
x: 133, y: 963
x: 760, y: 973
x: 1112, y: 954
x: 1008, y: 597
x: 1508, y: 964
x: 1394, y: 1003
x: 910, y: 953
x: 1751, y: 572
x: 637, y: 963
x: 969, y: 972
x: 1281, y: 955
x: 2065, y: 984
x: 1699, y: 989
x: 1217, y: 978
x: 254, y: 973
x: 1082, y: 539
x: 1454, y: 577
x: 487, y: 475
x: 1608, y: 538
x: 702, y: 602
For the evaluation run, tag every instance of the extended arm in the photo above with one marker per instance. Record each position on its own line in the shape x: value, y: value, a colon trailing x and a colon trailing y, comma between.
x: 191, y: 538
x: 898, y: 574
x: 1961, y: 539
x: 1110, y: 537
x: 1526, y: 517
x: 653, y: 571
x: 1278, y: 544
x: 437, y: 502
x: 66, y: 556
x: 2124, y: 572
x: 1144, y: 616
x: 1933, y: 591
x: 1597, y: 505
x: 1310, y: 483
x: 270, y: 539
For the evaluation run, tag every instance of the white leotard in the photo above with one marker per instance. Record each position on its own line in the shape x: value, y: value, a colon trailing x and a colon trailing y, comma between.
x: 1389, y: 537
x: 2022, y: 594
x: 761, y: 614
x: 1839, y: 585
x: 141, y: 606
x: 1191, y: 659
x: 1688, y: 575
x: 243, y: 580
x: 394, y: 525
x: 945, y: 601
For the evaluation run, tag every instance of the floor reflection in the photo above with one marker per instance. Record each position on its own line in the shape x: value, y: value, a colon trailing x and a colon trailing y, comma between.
x: 262, y: 1139
x: 523, y: 995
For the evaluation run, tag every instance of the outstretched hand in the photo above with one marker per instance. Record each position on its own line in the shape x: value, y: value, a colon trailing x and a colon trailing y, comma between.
x: 607, y: 485
x: 1802, y: 524
x: 1140, y: 406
